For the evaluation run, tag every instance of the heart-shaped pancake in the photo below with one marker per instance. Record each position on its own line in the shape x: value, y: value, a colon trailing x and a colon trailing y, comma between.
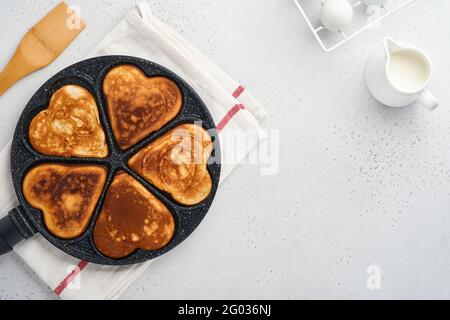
x: 70, y: 126
x: 66, y: 195
x: 138, y: 105
x: 131, y: 218
x: 176, y: 163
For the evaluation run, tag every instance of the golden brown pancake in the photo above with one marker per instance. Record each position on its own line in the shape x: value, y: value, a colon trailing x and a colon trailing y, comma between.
x: 176, y: 163
x: 138, y: 105
x: 70, y: 126
x: 131, y: 218
x: 66, y: 194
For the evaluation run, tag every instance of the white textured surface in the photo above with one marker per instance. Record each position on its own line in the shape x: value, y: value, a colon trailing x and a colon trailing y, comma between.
x: 359, y: 184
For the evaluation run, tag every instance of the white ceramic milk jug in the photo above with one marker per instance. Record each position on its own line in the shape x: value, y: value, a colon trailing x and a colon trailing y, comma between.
x: 397, y: 75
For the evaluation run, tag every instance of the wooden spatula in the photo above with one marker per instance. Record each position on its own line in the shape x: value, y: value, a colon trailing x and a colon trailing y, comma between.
x: 42, y: 44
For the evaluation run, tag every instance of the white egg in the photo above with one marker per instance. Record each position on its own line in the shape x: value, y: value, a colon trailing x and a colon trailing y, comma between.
x: 336, y: 14
x: 375, y: 2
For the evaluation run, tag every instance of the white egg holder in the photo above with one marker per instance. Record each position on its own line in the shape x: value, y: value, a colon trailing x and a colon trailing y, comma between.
x: 365, y: 17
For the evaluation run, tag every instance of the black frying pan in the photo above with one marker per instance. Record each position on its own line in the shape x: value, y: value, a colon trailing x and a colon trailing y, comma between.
x: 24, y: 221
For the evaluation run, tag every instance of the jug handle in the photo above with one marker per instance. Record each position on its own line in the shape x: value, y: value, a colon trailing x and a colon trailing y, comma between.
x: 428, y: 100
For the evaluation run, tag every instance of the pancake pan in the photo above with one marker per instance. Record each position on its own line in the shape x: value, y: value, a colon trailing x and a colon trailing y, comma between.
x: 24, y: 221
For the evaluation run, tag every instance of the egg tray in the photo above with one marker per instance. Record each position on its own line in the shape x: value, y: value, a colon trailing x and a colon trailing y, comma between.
x: 365, y: 17
x: 90, y: 74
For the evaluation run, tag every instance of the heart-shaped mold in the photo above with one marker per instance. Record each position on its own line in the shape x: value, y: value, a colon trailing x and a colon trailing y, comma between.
x: 131, y: 218
x: 66, y: 194
x: 139, y: 105
x: 82, y: 238
x: 177, y: 163
x: 70, y: 126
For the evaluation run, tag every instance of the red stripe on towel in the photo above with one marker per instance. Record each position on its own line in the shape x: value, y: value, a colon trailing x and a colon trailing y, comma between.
x: 230, y: 114
x: 238, y: 91
x: 82, y: 264
x: 69, y: 278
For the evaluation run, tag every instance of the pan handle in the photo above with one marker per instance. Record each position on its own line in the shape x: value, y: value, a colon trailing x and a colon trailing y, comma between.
x: 14, y: 228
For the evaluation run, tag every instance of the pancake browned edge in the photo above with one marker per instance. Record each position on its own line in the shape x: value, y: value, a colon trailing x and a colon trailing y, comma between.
x: 66, y: 195
x: 176, y: 163
x: 138, y: 105
x: 70, y: 126
x: 131, y: 218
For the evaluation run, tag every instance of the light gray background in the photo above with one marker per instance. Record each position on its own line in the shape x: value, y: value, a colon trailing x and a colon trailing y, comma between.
x: 359, y: 184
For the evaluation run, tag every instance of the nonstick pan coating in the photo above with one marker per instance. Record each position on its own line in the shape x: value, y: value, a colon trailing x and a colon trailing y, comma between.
x: 89, y: 74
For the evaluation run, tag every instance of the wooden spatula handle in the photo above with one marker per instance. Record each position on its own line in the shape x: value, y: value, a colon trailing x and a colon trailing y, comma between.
x: 42, y: 44
x: 16, y: 69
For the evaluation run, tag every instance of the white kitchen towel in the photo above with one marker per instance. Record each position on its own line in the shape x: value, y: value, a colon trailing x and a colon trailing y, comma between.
x: 237, y: 116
